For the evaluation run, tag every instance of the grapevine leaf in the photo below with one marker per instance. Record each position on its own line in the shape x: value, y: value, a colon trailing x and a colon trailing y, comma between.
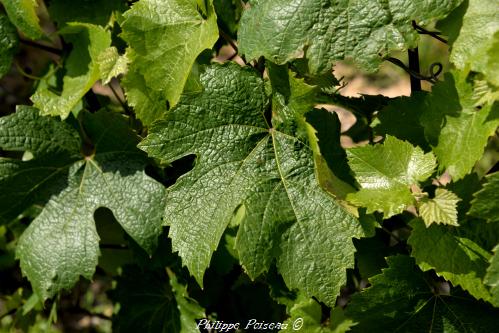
x: 243, y: 165
x: 111, y: 64
x: 491, y: 70
x: 452, y: 256
x: 62, y: 242
x: 455, y: 124
x: 166, y: 37
x: 293, y: 96
x: 148, y: 104
x: 150, y: 304
x: 323, y: 32
x: 9, y: 42
x: 308, y: 313
x: 188, y: 308
x: 22, y: 13
x: 466, y: 126
x: 385, y: 173
x: 81, y: 69
x: 442, y: 209
x: 55, y: 145
x: 486, y: 202
x: 476, y: 37
x: 492, y: 277
x: 96, y: 12
x: 401, y: 299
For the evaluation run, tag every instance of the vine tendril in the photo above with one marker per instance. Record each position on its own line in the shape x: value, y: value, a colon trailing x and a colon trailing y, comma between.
x: 435, y: 70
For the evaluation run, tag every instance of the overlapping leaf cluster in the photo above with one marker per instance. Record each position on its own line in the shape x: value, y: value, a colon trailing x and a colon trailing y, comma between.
x: 272, y: 194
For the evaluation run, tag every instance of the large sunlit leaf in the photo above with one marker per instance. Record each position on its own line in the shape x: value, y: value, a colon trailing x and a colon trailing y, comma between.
x: 264, y: 173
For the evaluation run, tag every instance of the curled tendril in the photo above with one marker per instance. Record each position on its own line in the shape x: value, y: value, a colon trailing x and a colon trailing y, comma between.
x: 435, y: 70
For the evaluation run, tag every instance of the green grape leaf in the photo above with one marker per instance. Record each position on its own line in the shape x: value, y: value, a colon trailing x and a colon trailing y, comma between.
x: 402, y: 299
x: 151, y: 304
x: 9, y: 42
x: 98, y: 12
x: 294, y: 96
x: 486, y: 202
x: 322, y: 32
x: 466, y: 126
x: 55, y: 146
x: 81, y: 69
x: 386, y: 172
x: 454, y: 121
x: 62, y: 242
x: 22, y: 13
x: 492, y: 277
x: 305, y: 314
x: 268, y: 174
x: 453, y: 257
x: 166, y: 38
x: 491, y: 70
x: 147, y: 103
x: 188, y: 308
x: 476, y: 37
x: 111, y: 64
x: 442, y: 209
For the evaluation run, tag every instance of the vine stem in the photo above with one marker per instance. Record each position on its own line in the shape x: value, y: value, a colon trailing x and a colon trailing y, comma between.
x: 414, y: 67
x: 43, y: 47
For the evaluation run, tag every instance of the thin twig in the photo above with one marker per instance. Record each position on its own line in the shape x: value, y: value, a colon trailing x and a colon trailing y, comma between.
x: 228, y: 39
x: 422, y: 31
x: 8, y: 313
x: 113, y: 246
x: 392, y: 234
x: 122, y: 102
x: 43, y: 47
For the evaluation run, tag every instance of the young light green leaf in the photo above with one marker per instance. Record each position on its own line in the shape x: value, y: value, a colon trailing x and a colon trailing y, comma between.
x: 111, y: 64
x: 401, y: 300
x: 81, y: 69
x: 323, y: 31
x: 476, y: 36
x: 22, y: 13
x: 150, y: 304
x: 442, y: 209
x: 386, y: 172
x: 147, y: 103
x: 9, y: 42
x: 306, y: 315
x: 166, y: 38
x: 453, y: 257
x: 241, y: 162
x: 62, y: 243
x: 492, y: 277
x: 486, y: 202
x: 491, y: 70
